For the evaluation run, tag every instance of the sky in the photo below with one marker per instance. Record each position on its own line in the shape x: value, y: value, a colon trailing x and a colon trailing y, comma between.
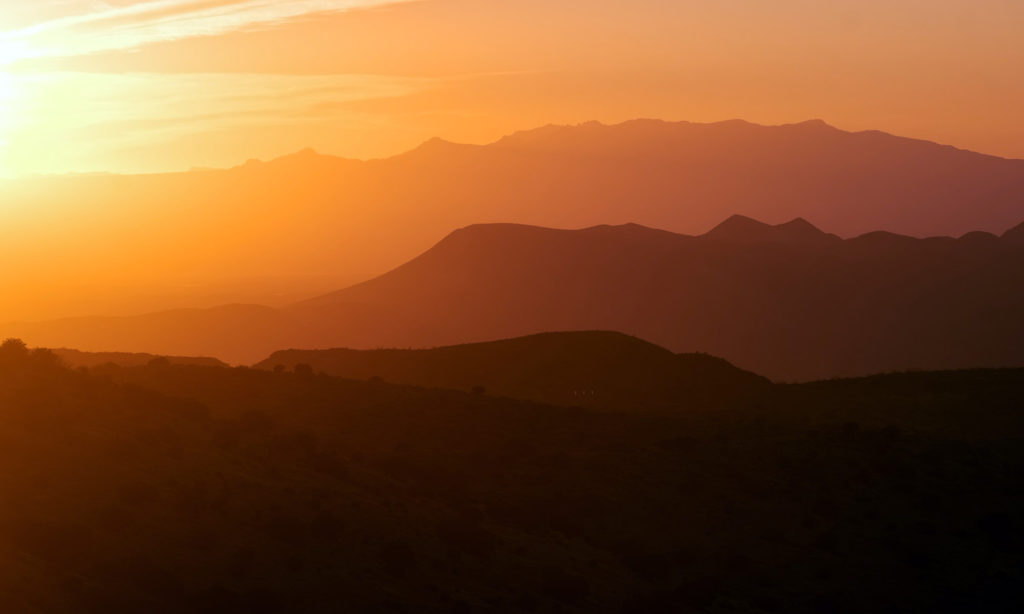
x: 154, y: 85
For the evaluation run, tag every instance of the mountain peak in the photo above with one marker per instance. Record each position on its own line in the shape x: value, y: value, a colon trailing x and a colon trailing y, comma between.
x: 743, y: 229
x: 303, y: 157
x: 799, y: 224
x: 535, y: 134
x: 436, y: 143
x: 738, y: 223
x: 435, y: 146
x: 307, y: 154
x: 1015, y: 234
x: 814, y: 123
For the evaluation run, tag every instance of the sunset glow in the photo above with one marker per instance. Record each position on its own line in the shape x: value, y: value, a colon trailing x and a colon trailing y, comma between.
x: 8, y: 113
x: 511, y: 306
x: 129, y: 86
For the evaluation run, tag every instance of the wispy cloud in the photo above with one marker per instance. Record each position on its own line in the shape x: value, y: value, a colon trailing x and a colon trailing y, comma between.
x: 41, y: 131
x: 93, y: 26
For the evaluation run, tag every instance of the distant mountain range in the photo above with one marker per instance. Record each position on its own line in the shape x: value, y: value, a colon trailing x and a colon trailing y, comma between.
x: 586, y: 369
x: 310, y: 214
x: 788, y: 301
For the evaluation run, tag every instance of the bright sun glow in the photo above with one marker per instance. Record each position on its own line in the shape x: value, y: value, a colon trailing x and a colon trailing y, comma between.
x: 6, y: 99
x: 6, y: 86
x: 6, y: 93
x: 9, y: 93
x: 9, y: 115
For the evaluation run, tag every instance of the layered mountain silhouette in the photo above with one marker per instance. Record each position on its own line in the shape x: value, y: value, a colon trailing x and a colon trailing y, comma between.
x: 312, y: 214
x: 587, y: 369
x: 787, y: 301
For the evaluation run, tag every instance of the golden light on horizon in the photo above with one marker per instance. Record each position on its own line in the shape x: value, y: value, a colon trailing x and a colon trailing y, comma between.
x: 160, y: 85
x: 307, y: 304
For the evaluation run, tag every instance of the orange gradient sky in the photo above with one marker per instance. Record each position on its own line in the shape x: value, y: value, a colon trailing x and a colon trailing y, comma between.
x: 132, y: 85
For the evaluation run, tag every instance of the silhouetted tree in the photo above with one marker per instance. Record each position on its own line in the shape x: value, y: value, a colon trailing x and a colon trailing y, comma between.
x: 44, y: 358
x: 13, y: 350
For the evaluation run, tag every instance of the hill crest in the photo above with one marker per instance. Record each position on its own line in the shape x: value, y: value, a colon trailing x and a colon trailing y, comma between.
x: 602, y: 369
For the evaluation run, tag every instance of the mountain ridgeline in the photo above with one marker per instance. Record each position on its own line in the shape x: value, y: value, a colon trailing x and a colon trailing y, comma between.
x: 315, y: 215
x: 789, y: 301
x: 586, y: 369
x: 644, y: 368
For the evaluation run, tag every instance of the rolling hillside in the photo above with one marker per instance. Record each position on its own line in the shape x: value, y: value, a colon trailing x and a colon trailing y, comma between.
x: 586, y: 369
x: 172, y: 489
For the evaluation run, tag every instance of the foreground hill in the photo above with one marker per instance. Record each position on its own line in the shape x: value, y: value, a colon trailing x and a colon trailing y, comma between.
x: 788, y: 301
x: 587, y: 369
x: 318, y: 217
x: 188, y: 489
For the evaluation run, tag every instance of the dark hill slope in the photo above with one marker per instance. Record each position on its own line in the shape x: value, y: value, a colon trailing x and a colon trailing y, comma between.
x: 588, y: 369
x: 281, y: 492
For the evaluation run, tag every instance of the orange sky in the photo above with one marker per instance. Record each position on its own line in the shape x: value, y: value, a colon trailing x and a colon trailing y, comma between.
x: 131, y: 85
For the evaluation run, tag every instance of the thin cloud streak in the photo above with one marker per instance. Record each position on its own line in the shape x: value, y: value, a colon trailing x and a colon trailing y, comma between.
x: 109, y: 28
x: 116, y: 112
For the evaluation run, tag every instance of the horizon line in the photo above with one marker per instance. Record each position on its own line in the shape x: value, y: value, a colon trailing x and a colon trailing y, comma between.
x: 434, y: 139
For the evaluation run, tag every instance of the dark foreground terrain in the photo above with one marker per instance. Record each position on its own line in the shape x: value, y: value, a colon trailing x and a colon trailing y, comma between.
x: 176, y: 488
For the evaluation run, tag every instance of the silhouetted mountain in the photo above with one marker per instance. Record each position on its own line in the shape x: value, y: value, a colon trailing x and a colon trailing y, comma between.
x: 789, y: 301
x: 195, y: 489
x: 802, y: 305
x: 741, y: 229
x: 1015, y: 234
x: 320, y: 215
x: 587, y: 369
x: 77, y: 358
